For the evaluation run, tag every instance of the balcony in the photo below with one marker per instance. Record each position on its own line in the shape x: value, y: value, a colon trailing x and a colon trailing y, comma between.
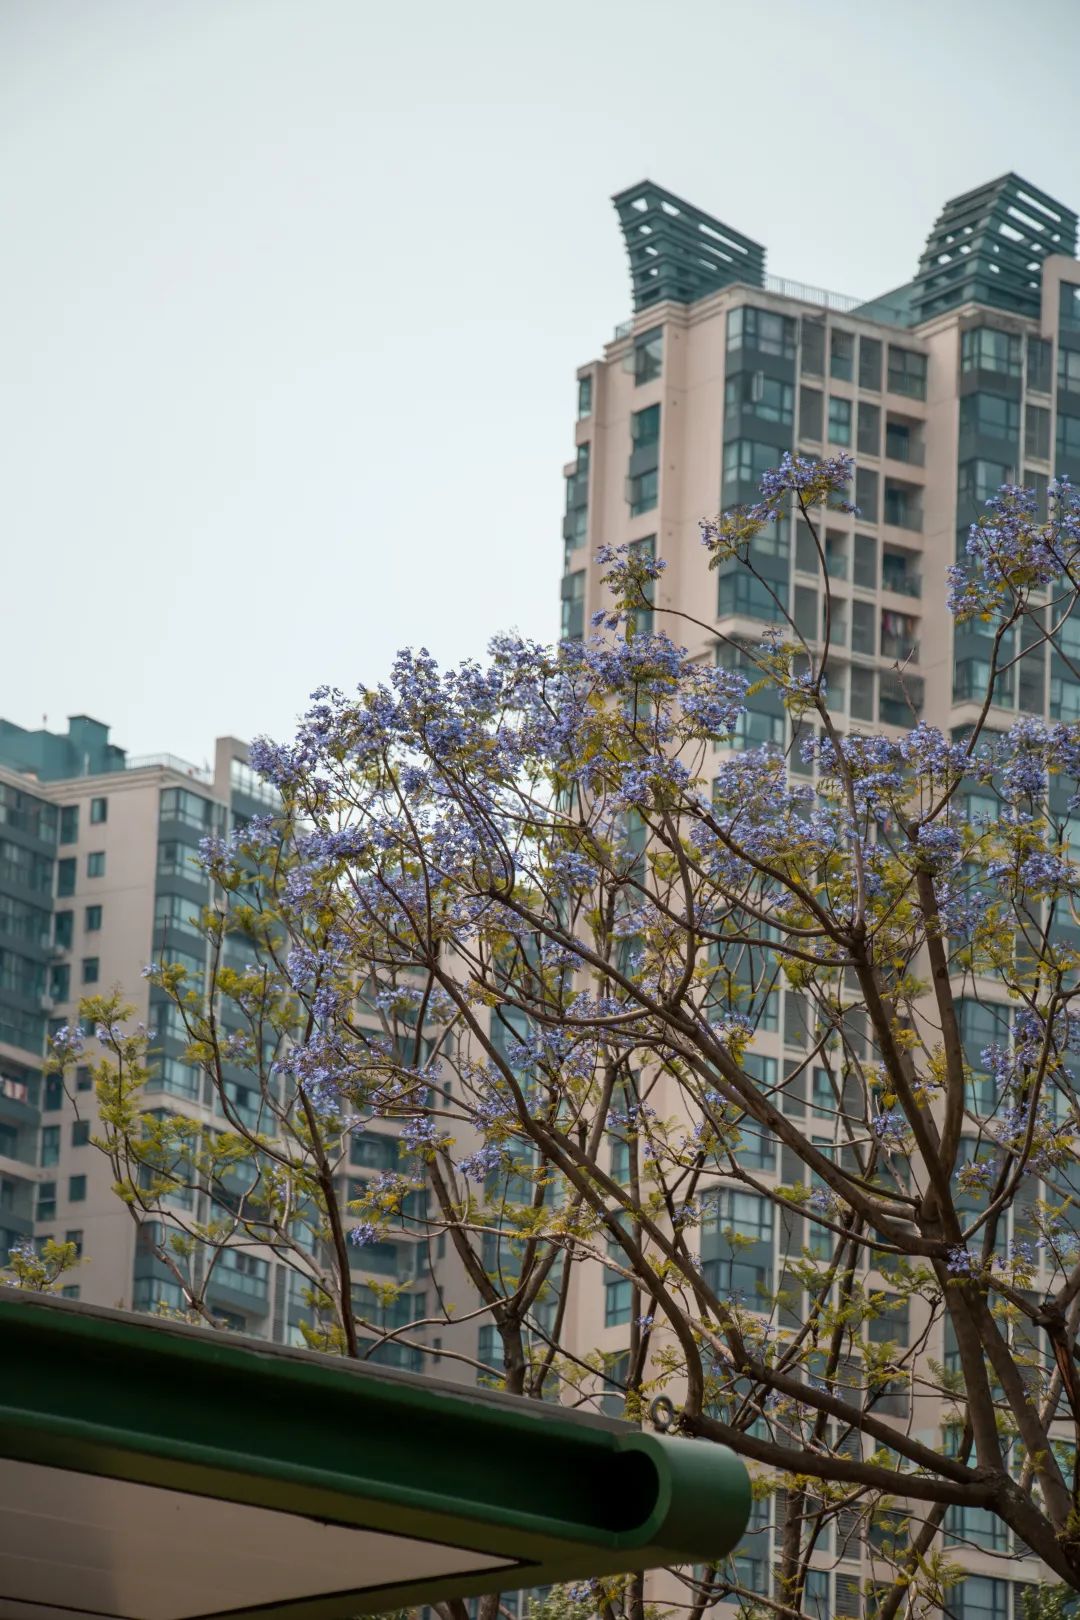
x: 900, y: 649
x: 899, y: 637
x: 902, y: 507
x: 904, y: 442
x: 899, y: 574
x: 900, y: 699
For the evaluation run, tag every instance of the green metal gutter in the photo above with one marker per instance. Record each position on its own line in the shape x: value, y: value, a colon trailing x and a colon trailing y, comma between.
x: 561, y: 1495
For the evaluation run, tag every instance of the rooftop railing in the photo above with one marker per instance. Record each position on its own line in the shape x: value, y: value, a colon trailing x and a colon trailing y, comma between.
x: 170, y: 762
x: 839, y: 303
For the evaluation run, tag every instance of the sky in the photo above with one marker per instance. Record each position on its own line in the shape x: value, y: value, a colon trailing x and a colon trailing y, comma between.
x: 293, y: 293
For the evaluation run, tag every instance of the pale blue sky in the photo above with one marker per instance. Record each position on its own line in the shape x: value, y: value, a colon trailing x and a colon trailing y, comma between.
x: 293, y: 293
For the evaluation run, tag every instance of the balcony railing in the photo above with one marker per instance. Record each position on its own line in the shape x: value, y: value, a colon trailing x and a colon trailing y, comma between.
x: 899, y: 648
x: 906, y: 382
x: 905, y: 583
x: 899, y: 447
x: 902, y: 515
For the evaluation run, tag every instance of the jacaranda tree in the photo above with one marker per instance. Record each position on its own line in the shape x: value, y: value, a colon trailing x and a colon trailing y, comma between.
x: 541, y: 913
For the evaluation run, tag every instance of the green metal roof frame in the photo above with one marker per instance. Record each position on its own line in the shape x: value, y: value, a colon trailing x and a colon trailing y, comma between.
x: 679, y: 252
x: 988, y: 247
x: 562, y: 1494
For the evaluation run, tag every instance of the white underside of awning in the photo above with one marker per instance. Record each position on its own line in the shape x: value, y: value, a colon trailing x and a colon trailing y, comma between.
x: 83, y: 1547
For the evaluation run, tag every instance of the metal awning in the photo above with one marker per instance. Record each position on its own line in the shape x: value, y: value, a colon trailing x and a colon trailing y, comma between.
x: 153, y: 1471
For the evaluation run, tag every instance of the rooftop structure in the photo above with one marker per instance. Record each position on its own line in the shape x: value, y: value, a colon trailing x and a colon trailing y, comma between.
x: 52, y: 756
x: 678, y: 252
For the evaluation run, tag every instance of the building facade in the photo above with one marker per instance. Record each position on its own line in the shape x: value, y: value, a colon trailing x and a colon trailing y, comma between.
x: 963, y: 379
x: 100, y: 876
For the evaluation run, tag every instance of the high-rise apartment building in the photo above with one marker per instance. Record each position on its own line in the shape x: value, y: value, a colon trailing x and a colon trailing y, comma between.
x: 99, y: 876
x: 963, y: 379
x: 966, y: 378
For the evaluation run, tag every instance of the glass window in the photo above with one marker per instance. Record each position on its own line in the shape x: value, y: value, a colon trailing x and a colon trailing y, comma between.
x: 69, y: 823
x: 24, y: 867
x: 76, y: 1189
x: 648, y: 355
x: 50, y: 1145
x: 46, y: 1200
x: 869, y: 428
x: 77, y: 1239
x: 746, y: 461
x: 761, y: 396
x: 52, y: 1095
x: 642, y: 619
x: 1069, y: 307
x: 84, y: 1080
x: 172, y: 1074
x: 22, y: 920
x: 977, y: 1525
x: 870, y: 364
x: 177, y: 911
x: 64, y: 929
x: 177, y: 804
x: 749, y: 1563
x: 862, y: 693
x: 60, y: 981
x: 91, y: 969
x: 95, y: 864
x: 93, y: 919
x: 1039, y: 359
x: 149, y: 1292
x: 839, y: 421
x: 80, y: 1132
x: 99, y: 811
x: 746, y: 1214
x: 984, y: 348
x: 810, y: 412
x: 745, y: 594
x: 176, y: 859
x: 192, y: 965
x: 863, y: 627
x: 1068, y: 437
x: 866, y: 493
x: 618, y: 1299
x: 806, y: 612
x: 990, y: 414
x: 865, y: 570
x: 980, y: 480
x: 642, y: 491
x: 618, y: 1291
x: 584, y: 398
x: 1064, y: 699
x: 753, y: 728
x: 816, y: 1595
x: 645, y: 427
x: 813, y: 346
x: 1068, y: 372
x: 907, y: 372
x: 573, y: 606
x: 841, y: 355
x: 65, y: 875
x: 752, y: 328
x: 980, y: 1597
x: 1037, y: 432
